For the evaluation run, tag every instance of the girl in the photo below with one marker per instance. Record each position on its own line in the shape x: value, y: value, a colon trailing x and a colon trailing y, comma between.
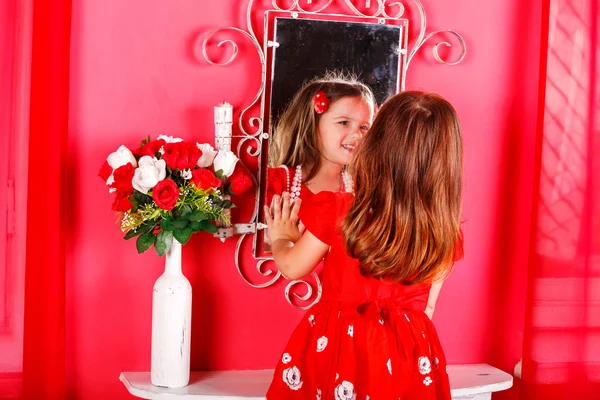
x: 316, y: 135
x: 369, y: 337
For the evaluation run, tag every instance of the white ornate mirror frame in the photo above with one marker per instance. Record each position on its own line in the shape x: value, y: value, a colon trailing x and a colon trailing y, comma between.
x: 253, y: 142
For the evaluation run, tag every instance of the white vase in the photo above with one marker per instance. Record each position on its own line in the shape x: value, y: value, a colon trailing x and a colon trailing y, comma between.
x: 171, y: 324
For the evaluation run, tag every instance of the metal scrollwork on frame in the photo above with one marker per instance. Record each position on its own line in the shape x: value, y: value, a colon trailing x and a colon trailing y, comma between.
x: 381, y: 9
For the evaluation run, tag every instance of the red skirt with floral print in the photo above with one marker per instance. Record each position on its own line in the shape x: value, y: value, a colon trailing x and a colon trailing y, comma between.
x: 376, y: 351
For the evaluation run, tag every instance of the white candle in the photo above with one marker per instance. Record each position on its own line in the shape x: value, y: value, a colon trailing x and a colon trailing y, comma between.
x: 223, y: 125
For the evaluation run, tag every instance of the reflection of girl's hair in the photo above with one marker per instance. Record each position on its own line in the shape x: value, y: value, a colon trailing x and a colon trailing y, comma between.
x: 404, y: 224
x: 295, y: 140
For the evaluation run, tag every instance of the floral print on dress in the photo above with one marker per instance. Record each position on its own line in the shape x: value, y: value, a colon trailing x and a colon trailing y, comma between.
x: 292, y: 378
x: 286, y: 358
x: 427, y: 381
x: 424, y: 365
x: 389, y: 365
x: 345, y: 391
x: 351, y: 331
x: 318, y: 394
x: 321, y: 344
x: 311, y: 320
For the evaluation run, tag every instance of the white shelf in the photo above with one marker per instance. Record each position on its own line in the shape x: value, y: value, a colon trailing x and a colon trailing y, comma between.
x: 474, y: 381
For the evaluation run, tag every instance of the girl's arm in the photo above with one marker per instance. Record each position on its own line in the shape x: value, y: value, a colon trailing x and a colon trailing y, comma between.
x: 433, y: 295
x: 295, y: 255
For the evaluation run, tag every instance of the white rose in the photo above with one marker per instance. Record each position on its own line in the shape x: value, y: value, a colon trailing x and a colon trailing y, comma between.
x: 286, y: 358
x: 121, y: 157
x: 208, y: 155
x: 321, y: 344
x: 424, y: 365
x: 225, y: 161
x: 345, y: 391
x: 169, y: 139
x: 292, y: 378
x: 149, y: 172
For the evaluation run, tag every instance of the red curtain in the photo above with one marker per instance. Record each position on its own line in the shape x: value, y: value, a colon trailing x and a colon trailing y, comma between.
x: 44, y: 336
x: 562, y: 334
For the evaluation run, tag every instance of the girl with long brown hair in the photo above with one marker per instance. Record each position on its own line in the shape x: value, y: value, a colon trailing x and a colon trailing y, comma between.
x: 313, y: 140
x: 384, y: 247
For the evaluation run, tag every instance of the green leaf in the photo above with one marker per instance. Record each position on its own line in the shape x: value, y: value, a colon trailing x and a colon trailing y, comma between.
x: 195, y: 225
x: 131, y: 234
x: 183, y: 235
x: 145, y: 141
x: 227, y: 204
x: 144, y: 242
x: 166, y: 223
x: 164, y: 239
x: 170, y: 224
x: 179, y: 223
x: 206, y: 226
x: 227, y: 188
x: 135, y: 203
x: 197, y: 216
x: 184, y: 210
x: 144, y: 228
x: 141, y: 198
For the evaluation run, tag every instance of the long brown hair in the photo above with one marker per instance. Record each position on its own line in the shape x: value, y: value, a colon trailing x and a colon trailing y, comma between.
x: 404, y: 223
x: 295, y: 140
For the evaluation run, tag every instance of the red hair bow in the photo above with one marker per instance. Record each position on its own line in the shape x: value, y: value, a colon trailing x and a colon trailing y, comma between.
x: 321, y: 102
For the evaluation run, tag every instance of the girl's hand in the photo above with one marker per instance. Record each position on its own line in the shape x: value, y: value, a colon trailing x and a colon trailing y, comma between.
x: 282, y: 219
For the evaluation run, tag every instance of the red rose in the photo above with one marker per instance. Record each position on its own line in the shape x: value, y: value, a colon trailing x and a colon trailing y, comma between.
x: 181, y: 155
x: 151, y: 148
x: 105, y: 171
x: 165, y: 194
x: 205, y: 179
x: 240, y: 181
x: 122, y: 202
x: 123, y: 176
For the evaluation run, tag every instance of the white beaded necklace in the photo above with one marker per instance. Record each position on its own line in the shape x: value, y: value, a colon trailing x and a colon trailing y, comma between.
x: 294, y: 190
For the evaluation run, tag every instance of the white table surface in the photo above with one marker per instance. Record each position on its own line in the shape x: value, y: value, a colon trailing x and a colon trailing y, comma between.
x: 466, y: 381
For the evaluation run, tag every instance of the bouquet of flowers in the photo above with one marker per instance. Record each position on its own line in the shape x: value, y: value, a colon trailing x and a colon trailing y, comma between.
x: 169, y: 188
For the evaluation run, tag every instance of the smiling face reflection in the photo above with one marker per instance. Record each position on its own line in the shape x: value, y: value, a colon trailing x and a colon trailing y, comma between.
x: 342, y: 126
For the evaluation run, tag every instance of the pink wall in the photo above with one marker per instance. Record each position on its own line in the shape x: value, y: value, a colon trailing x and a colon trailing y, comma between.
x: 134, y: 73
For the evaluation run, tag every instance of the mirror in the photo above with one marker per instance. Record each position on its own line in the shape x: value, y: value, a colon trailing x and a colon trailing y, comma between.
x: 307, y: 48
x: 303, y: 39
x: 368, y: 50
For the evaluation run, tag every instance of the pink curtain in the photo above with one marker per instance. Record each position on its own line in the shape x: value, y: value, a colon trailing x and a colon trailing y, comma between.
x: 562, y: 334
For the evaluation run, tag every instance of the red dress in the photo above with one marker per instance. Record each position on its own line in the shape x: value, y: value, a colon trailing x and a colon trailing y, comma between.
x: 365, y: 339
